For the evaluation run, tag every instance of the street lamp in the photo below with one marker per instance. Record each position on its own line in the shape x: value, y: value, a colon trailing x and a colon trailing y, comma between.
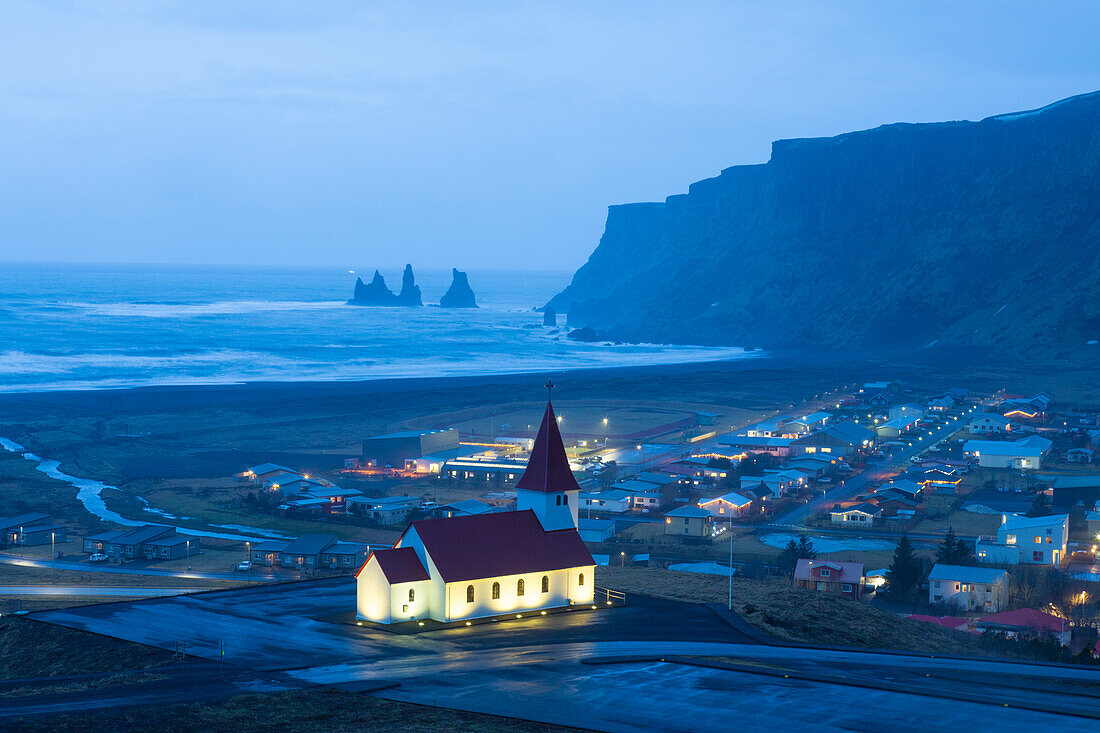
x: 188, y: 555
x: 622, y: 555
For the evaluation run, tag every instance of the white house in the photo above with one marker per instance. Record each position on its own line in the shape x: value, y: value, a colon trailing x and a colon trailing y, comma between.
x: 727, y: 505
x: 1027, y: 452
x: 971, y: 589
x: 1026, y: 540
x: 855, y: 516
x: 914, y: 412
x: 612, y: 500
x: 990, y: 424
x: 467, y: 567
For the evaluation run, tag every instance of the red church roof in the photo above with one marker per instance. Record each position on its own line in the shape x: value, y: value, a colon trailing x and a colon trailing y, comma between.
x: 548, y: 468
x: 496, y: 544
x: 399, y: 565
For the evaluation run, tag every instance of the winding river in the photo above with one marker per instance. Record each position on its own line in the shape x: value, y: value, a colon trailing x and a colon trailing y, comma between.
x: 89, y: 492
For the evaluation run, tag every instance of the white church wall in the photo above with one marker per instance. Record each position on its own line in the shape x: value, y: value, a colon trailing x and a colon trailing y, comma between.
x: 372, y: 594
x: 554, y: 510
x: 404, y: 608
x: 563, y: 586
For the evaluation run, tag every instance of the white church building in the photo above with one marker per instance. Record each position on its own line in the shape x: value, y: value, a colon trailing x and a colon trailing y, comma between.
x: 468, y: 567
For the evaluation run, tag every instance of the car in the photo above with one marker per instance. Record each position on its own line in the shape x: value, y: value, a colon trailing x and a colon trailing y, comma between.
x: 825, y: 480
x: 98, y: 557
x: 246, y: 565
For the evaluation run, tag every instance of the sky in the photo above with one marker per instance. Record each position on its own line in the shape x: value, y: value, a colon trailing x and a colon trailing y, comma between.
x: 475, y: 135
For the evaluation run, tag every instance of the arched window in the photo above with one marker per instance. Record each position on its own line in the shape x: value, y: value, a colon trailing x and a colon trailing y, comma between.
x: 580, y: 580
x: 496, y: 591
x: 469, y: 594
x: 546, y: 584
x: 412, y: 595
x: 519, y: 587
x: 557, y: 500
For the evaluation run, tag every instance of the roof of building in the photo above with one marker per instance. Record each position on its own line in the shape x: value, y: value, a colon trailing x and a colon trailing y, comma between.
x: 731, y: 498
x: 688, y: 510
x: 966, y: 574
x: 284, y: 477
x: 388, y: 502
x: 24, y: 520
x: 409, y: 434
x: 468, y: 506
x: 548, y: 467
x: 595, y: 524
x: 1077, y: 482
x: 1026, y: 618
x: 609, y: 495
x: 271, y: 546
x: 865, y: 508
x: 744, y: 440
x: 904, y: 485
x: 1016, y: 521
x: 269, y: 467
x: 141, y: 535
x: 399, y: 565
x: 310, y: 544
x: 850, y: 572
x: 636, y: 487
x: 346, y: 548
x: 497, y: 544
x: 1032, y: 445
x: 991, y: 417
x: 850, y: 432
x: 661, y: 479
x: 171, y: 540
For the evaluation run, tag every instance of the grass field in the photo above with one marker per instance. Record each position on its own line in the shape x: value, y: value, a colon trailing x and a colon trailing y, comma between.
x: 795, y: 614
x: 306, y: 711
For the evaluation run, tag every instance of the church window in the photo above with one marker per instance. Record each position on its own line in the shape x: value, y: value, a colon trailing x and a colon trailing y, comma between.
x: 580, y: 581
x: 469, y: 594
x: 496, y: 591
x: 557, y: 500
x: 545, y: 584
x: 519, y: 587
x: 412, y: 595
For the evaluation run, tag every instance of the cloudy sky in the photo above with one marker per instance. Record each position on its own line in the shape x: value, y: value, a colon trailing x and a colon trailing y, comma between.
x: 495, y: 135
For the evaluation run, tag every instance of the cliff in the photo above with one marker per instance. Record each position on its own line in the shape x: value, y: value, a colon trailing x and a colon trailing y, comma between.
x: 376, y: 292
x: 972, y: 234
x: 459, y: 295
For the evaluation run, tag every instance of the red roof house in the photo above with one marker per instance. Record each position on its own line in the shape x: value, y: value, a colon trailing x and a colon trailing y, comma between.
x: 830, y: 576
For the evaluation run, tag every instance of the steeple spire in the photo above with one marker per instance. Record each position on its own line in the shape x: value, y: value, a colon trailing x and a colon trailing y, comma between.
x: 548, y: 468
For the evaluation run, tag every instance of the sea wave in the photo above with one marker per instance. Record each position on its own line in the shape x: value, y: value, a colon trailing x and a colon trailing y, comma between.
x: 193, y: 310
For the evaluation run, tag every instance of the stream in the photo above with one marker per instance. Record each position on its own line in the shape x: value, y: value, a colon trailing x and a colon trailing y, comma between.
x: 89, y: 493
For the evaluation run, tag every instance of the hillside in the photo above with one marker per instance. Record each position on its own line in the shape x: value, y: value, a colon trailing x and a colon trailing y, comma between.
x: 963, y: 234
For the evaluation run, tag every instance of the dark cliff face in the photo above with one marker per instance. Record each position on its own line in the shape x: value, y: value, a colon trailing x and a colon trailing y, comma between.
x: 981, y: 234
x: 459, y: 295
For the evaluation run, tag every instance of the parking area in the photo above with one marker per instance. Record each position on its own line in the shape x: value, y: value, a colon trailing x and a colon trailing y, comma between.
x: 311, y: 623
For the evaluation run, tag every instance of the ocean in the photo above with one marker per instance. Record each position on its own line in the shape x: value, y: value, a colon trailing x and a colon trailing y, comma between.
x: 81, y: 327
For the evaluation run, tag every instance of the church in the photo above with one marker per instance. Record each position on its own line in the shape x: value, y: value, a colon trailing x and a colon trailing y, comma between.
x: 462, y: 568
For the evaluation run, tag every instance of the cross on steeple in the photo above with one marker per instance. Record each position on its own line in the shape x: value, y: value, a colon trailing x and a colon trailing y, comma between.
x: 549, y: 388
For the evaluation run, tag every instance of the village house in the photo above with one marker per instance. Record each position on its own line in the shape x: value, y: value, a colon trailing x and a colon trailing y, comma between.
x: 1079, y: 455
x: 150, y: 542
x: 384, y: 510
x: 830, y: 576
x: 807, y: 423
x: 311, y: 552
x: 465, y: 508
x: 860, y: 515
x: 1025, y: 623
x: 1077, y: 491
x: 895, y: 427
x: 941, y: 403
x: 491, y: 564
x: 1026, y: 540
x: 731, y: 505
x: 615, y: 501
x: 902, y: 487
x: 990, y: 424
x: 689, y: 521
x: 910, y: 410
x: 840, y: 439
x: 748, y: 444
x: 1092, y: 523
x: 501, y: 471
x: 595, y: 530
x: 969, y: 588
x: 26, y: 530
x: 1026, y: 453
x: 936, y: 480
x: 263, y: 473
x: 1027, y: 409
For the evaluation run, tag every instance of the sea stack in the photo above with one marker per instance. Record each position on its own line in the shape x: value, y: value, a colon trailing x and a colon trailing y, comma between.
x: 459, y: 295
x: 550, y: 317
x: 410, y: 291
x: 376, y: 293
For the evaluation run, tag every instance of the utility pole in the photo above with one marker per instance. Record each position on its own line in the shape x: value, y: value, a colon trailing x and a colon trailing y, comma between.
x: 731, y: 562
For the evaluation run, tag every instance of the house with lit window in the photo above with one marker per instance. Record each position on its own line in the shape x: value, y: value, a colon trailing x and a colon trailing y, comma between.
x: 971, y: 589
x: 689, y: 521
x: 731, y: 505
x: 990, y: 424
x: 1026, y: 453
x: 860, y: 515
x: 830, y: 576
x: 1026, y: 540
x: 483, y: 565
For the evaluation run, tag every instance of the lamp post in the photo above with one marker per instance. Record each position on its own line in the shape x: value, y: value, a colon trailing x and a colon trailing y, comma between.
x: 730, y: 531
x: 188, y: 555
x: 622, y: 555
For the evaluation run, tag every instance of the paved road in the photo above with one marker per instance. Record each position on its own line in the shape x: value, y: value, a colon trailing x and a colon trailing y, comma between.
x: 875, y: 473
x: 257, y: 574
x: 91, y: 591
x: 541, y: 668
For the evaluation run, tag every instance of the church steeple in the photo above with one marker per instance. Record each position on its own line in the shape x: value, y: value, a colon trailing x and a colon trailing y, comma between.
x: 548, y: 486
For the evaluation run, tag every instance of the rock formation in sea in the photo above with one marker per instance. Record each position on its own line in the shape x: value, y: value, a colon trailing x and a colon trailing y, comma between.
x: 549, y: 317
x: 459, y: 295
x: 410, y: 291
x: 974, y: 235
x: 376, y: 292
